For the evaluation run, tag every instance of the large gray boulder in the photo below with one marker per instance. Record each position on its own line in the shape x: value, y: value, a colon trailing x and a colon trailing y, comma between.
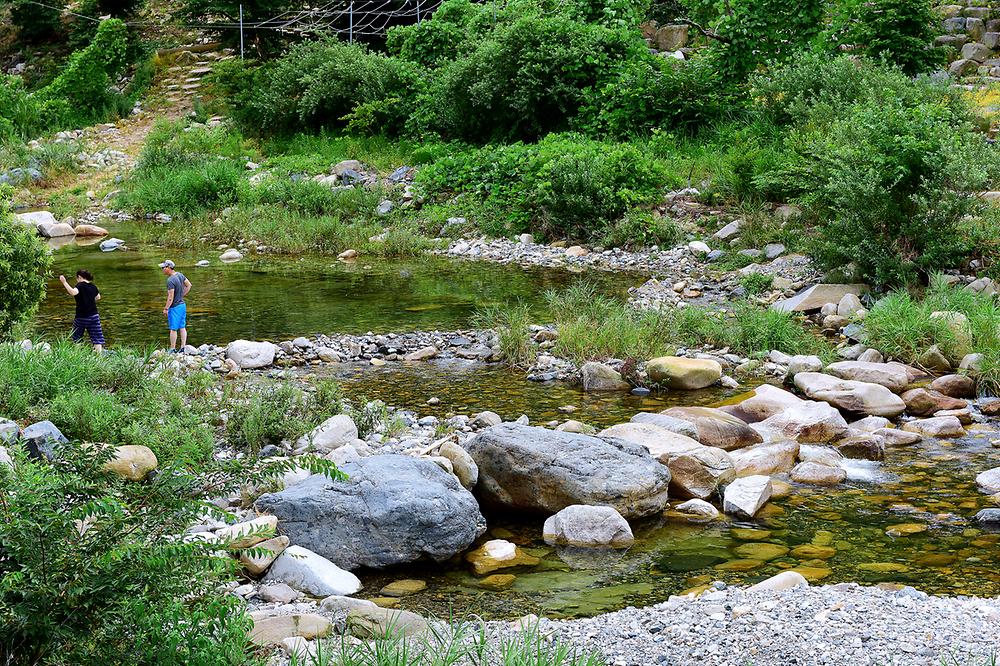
x: 392, y: 509
x: 893, y: 376
x: 588, y: 527
x: 9, y: 431
x: 601, y: 377
x: 535, y: 469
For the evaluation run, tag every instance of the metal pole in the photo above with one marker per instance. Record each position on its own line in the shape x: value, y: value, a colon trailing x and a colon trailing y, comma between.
x: 241, y: 32
x: 418, y: 11
x: 350, y: 29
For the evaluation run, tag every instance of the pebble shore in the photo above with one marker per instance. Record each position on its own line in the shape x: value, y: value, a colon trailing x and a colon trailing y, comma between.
x: 836, y: 624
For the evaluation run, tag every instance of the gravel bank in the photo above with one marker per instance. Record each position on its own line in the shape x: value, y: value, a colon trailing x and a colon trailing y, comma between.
x: 836, y: 624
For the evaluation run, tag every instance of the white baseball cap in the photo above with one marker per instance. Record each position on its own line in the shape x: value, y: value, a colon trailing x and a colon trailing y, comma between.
x: 167, y: 264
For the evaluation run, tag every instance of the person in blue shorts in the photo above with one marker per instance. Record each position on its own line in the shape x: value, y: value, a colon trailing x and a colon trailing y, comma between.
x: 175, y: 310
x: 87, y: 319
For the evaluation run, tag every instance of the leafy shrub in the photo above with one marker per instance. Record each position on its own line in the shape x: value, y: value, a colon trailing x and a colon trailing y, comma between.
x: 24, y: 264
x: 184, y: 191
x: 898, y: 32
x: 83, y: 91
x: 450, y: 32
x: 654, y: 93
x: 755, y: 284
x: 888, y: 178
x: 640, y: 228
x: 525, y: 79
x: 563, y: 185
x: 318, y: 84
x: 21, y: 114
x: 35, y: 22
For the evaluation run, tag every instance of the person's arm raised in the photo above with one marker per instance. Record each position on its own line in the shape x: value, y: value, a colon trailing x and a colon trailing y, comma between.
x: 72, y: 291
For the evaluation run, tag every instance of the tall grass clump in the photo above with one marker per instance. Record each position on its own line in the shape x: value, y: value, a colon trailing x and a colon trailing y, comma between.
x: 957, y: 320
x: 274, y: 412
x: 512, y: 324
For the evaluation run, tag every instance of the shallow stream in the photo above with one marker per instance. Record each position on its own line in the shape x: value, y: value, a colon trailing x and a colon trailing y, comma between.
x: 903, y: 521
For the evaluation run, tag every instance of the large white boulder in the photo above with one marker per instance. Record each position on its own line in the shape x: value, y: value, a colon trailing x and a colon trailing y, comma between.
x: 305, y: 571
x: 249, y: 354
x: 808, y: 421
x: 767, y: 401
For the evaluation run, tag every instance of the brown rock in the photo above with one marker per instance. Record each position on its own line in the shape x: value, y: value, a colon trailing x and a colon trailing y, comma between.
x: 717, y: 428
x: 866, y: 447
x: 955, y: 386
x: 921, y: 402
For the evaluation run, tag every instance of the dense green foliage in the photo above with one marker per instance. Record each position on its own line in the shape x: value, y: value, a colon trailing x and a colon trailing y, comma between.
x: 564, y: 185
x: 900, y: 32
x: 888, y: 167
x: 24, y: 264
x: 35, y: 22
x: 275, y: 411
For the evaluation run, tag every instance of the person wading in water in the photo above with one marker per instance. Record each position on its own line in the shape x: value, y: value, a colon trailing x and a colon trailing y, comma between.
x: 87, y: 319
x: 175, y: 310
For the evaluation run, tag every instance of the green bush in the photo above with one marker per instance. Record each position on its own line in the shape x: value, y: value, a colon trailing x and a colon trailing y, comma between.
x: 526, y: 78
x: 35, y: 22
x: 641, y: 229
x: 565, y: 185
x: 83, y: 92
x: 654, y: 93
x: 24, y: 265
x: 22, y: 116
x: 184, y: 191
x: 317, y: 85
x: 898, y: 32
x: 887, y: 178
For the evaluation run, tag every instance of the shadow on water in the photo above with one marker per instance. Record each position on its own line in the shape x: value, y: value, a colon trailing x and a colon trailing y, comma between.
x: 277, y: 298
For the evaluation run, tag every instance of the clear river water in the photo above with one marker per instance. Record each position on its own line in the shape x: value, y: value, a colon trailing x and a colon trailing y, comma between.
x: 905, y: 520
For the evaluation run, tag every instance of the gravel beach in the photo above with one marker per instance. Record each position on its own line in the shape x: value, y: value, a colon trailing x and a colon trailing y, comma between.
x: 835, y: 624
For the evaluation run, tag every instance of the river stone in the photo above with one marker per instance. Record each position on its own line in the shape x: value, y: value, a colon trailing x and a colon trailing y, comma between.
x: 42, y: 439
x: 10, y: 432
x: 867, y: 446
x: 332, y: 434
x: 870, y: 424
x: 989, y: 481
x: 803, y: 363
x: 897, y: 437
x: 660, y: 442
x: 486, y: 419
x: 698, y: 472
x: 57, y: 230
x: 498, y: 554
x: 231, y: 255
x: 823, y: 455
x: 772, y: 458
x: 850, y: 396
x: 890, y: 375
x: 683, y: 373
x: 250, y: 355
x: 5, y: 458
x: 422, y: 354
x: 278, y: 593
x: 849, y: 305
x: 989, y: 516
x: 922, y: 402
x: 36, y: 217
x: 934, y: 360
x: 588, y: 526
x: 273, y: 629
x: 786, y: 580
x: 809, y: 421
x: 761, y: 550
x: 132, y: 462
x: 745, y: 496
x: 462, y: 464
x: 937, y: 426
x: 955, y: 386
x: 679, y: 426
x: 257, y: 563
x: 533, y: 469
x: 248, y: 533
x: 576, y: 427
x: 717, y: 428
x: 89, y: 230
x: 403, y: 587
x: 377, y: 622
x: 698, y: 508
x: 309, y: 572
x: 816, y: 296
x: 601, y: 377
x: 817, y: 474
x: 767, y: 401
x: 392, y: 509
